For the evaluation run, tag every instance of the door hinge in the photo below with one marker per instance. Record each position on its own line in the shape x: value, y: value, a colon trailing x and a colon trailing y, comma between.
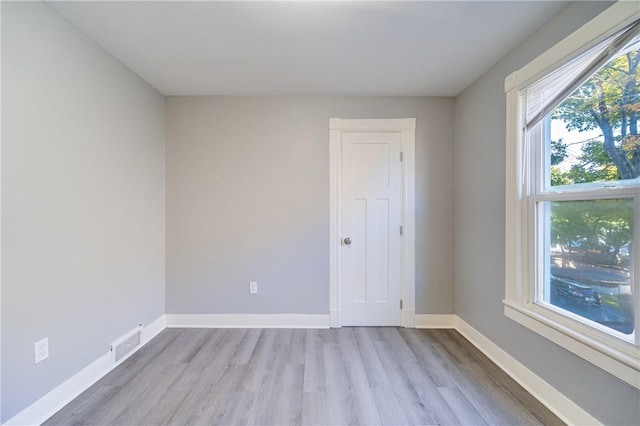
x: 400, y: 303
x: 401, y: 156
x: 401, y: 230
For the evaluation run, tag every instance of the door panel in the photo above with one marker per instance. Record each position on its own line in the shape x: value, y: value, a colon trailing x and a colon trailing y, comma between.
x: 380, y: 268
x: 359, y: 270
x: 371, y: 218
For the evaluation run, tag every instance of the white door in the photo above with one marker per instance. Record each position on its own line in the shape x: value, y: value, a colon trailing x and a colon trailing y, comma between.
x: 371, y: 219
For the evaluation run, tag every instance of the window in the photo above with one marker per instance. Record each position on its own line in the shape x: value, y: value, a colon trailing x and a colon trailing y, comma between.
x: 573, y: 193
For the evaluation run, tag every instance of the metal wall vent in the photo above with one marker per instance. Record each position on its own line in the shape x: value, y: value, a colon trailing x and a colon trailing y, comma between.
x: 126, y: 344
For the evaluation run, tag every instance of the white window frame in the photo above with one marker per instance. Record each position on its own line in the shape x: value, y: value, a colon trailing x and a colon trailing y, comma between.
x: 618, y: 357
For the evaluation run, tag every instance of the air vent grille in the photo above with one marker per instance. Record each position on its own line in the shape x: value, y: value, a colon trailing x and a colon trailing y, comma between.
x: 125, y: 345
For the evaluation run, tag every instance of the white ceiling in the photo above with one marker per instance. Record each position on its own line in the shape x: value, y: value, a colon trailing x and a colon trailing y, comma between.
x: 434, y: 48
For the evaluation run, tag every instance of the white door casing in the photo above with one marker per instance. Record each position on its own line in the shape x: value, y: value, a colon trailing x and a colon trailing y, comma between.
x: 372, y: 196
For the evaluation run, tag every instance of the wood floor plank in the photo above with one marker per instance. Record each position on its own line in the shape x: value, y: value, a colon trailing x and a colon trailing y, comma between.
x: 364, y: 409
x: 390, y: 409
x: 461, y: 407
x: 354, y: 367
x: 138, y: 407
x: 297, y: 346
x: 217, y: 402
x: 433, y: 402
x: 481, y: 373
x: 350, y: 376
x: 315, y: 409
x: 246, y: 346
x: 133, y: 366
x: 241, y: 409
x: 337, y: 384
x: 203, y: 393
x: 363, y: 404
x: 172, y: 399
x: 286, y: 407
x: 261, y: 360
x: 376, y: 374
x: 431, y: 363
x: 477, y: 395
x: 401, y: 384
x: 314, y: 374
x: 500, y: 396
x: 78, y: 411
x: 515, y: 391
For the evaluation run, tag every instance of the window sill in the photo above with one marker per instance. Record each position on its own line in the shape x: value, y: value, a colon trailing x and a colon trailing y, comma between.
x: 620, y: 359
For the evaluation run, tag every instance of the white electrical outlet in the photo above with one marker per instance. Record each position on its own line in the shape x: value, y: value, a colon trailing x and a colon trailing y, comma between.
x: 41, y: 350
x: 253, y: 287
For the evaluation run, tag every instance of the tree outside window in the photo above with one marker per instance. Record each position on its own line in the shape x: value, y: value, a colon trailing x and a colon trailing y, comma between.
x: 594, y: 142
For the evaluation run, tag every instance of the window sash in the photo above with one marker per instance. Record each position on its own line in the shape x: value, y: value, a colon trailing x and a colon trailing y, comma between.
x: 539, y: 242
x: 603, y: 193
x: 630, y: 338
x: 533, y: 255
x: 536, y: 194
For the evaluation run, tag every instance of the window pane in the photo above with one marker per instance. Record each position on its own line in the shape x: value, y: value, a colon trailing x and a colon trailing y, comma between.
x: 593, y: 135
x: 587, y: 270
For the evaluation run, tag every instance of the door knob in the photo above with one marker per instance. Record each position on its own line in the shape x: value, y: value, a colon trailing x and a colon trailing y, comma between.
x: 347, y: 241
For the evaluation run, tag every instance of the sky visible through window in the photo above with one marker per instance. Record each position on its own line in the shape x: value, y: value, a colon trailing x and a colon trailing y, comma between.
x: 573, y: 140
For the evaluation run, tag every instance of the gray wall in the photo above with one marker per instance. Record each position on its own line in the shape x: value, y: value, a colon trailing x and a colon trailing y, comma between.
x: 82, y: 201
x: 479, y: 241
x: 248, y: 200
x: 83, y: 207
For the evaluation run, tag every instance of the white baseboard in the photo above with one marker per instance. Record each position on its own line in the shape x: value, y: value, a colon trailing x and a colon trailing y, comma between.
x: 247, y: 321
x: 153, y: 329
x: 38, y: 412
x: 49, y: 404
x: 435, y: 321
x: 555, y: 401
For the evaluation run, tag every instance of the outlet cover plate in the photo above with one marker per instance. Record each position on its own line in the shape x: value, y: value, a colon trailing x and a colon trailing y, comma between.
x: 253, y: 287
x: 41, y: 350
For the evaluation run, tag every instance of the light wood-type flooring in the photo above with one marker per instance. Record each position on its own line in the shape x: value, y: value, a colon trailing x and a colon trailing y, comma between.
x: 361, y: 376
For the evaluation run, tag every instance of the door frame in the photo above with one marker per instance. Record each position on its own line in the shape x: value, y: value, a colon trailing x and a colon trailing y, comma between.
x: 407, y: 127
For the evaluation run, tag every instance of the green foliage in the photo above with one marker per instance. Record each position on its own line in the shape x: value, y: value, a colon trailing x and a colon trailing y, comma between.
x: 608, y: 101
x: 559, y: 178
x: 595, y: 226
x: 615, y: 85
x: 558, y: 152
x: 594, y: 165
